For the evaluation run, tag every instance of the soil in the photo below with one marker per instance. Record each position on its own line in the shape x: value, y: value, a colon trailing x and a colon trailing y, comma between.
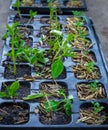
x: 23, y: 91
x: 14, y: 113
x: 52, y: 88
x: 26, y: 30
x: 86, y: 93
x: 28, y: 3
x: 81, y: 73
x: 81, y: 43
x: 44, y: 30
x: 22, y: 19
x: 76, y: 3
x: 88, y: 115
x: 80, y: 56
x: 28, y: 42
x: 22, y: 70
x: 45, y: 3
x: 46, y: 20
x: 45, y: 73
x: 58, y: 118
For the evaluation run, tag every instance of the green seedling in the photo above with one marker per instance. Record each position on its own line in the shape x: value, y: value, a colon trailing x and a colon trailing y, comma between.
x: 97, y: 107
x: 12, y: 31
x: 78, y: 13
x: 90, y: 66
x: 54, y: 23
x: 52, y: 105
x: 11, y: 90
x: 94, y: 86
x: 32, y: 14
x: 62, y: 49
x: 17, y: 5
x: 32, y: 55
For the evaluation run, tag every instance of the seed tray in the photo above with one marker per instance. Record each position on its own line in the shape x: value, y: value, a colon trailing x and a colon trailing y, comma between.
x: 70, y: 80
x: 62, y: 18
x: 44, y: 9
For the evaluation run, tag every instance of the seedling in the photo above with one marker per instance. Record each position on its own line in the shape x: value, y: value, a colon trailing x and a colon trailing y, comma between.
x: 90, y: 67
x: 53, y: 16
x: 12, y: 31
x: 62, y: 49
x: 11, y: 90
x: 78, y: 13
x: 97, y: 107
x: 32, y: 14
x: 32, y: 55
x: 17, y: 5
x: 52, y: 105
x: 94, y: 86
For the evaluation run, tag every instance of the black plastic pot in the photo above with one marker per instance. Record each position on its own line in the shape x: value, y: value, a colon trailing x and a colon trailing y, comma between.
x: 69, y: 81
x: 41, y: 7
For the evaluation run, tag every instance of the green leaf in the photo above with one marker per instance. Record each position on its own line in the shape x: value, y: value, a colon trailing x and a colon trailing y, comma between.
x: 68, y: 108
x: 57, y: 68
x: 51, y: 105
x: 5, y: 35
x: 33, y: 59
x: 71, y: 37
x: 34, y: 96
x: 13, y: 89
x: 32, y: 14
x: 3, y: 94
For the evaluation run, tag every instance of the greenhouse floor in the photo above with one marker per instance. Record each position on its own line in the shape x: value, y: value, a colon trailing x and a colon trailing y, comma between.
x: 97, y: 10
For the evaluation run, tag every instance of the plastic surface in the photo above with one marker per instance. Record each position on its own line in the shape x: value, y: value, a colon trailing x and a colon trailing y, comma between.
x: 70, y: 80
x: 41, y: 9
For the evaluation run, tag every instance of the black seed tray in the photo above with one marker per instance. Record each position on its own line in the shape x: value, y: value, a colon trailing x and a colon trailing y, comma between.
x: 37, y: 18
x: 70, y: 81
x: 37, y: 24
x: 44, y: 9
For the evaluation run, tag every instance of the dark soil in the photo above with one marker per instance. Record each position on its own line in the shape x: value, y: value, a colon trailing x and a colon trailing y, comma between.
x: 53, y: 88
x: 23, y: 91
x: 14, y: 113
x: 45, y: 73
x: 82, y: 57
x: 22, y: 70
x: 92, y: 118
x: 28, y: 42
x: 45, y: 3
x: 26, y: 30
x: 86, y: 93
x: 22, y: 19
x: 46, y: 19
x: 70, y: 3
x: 81, y: 73
x: 58, y: 118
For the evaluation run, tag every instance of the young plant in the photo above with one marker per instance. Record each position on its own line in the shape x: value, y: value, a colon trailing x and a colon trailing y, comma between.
x: 54, y: 23
x: 78, y: 13
x: 32, y: 14
x: 94, y: 86
x: 11, y: 90
x: 32, y: 55
x: 90, y: 66
x: 17, y: 5
x: 97, y: 107
x: 51, y: 106
x: 62, y: 49
x: 13, y: 32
